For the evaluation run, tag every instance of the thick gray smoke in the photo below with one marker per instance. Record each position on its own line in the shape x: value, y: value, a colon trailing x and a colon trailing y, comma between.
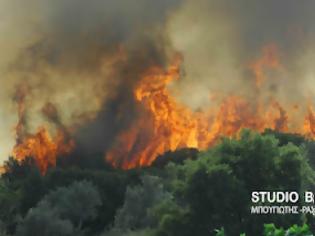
x: 84, y: 58
x: 219, y: 40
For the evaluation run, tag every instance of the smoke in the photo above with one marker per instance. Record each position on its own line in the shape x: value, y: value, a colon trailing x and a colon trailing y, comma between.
x: 221, y: 39
x: 80, y: 60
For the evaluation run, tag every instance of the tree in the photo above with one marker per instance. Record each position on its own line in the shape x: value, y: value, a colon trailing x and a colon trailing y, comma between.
x: 135, y: 213
x: 24, y: 183
x: 177, y: 156
x: 173, y: 219
x: 111, y: 186
x: 120, y: 232
x: 286, y: 138
x: 209, y: 195
x: 9, y: 207
x: 78, y: 202
x: 2, y: 229
x: 63, y: 211
x: 45, y: 220
x: 272, y: 230
x: 215, y: 189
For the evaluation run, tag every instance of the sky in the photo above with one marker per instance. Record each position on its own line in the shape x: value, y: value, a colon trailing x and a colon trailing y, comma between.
x: 68, y: 52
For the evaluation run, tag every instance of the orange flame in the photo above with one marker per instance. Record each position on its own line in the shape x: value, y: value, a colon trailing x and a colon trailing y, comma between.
x: 164, y: 124
x: 309, y: 122
x: 2, y: 170
x: 269, y: 60
x: 169, y: 125
x: 40, y: 146
x: 43, y: 148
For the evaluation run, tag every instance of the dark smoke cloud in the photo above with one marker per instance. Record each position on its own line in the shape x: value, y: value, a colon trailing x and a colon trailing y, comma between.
x: 79, y: 35
x: 227, y: 35
x: 85, y: 60
x: 81, y: 59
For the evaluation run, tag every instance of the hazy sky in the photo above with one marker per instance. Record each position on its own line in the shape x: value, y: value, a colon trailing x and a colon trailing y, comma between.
x: 65, y: 50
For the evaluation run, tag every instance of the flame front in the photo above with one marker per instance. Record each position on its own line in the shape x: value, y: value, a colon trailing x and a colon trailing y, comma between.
x: 43, y: 148
x: 165, y: 124
x: 169, y: 125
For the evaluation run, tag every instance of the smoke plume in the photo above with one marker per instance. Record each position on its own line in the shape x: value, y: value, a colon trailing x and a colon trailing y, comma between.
x: 74, y: 66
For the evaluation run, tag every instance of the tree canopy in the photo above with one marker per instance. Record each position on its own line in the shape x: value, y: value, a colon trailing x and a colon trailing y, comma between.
x: 188, y: 192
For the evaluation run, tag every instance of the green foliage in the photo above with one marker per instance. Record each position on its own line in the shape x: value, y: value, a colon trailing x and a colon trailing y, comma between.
x: 119, y: 232
x: 45, y: 220
x: 138, y: 200
x: 272, y: 230
x: 220, y: 232
x: 3, y: 229
x: 260, y: 162
x: 21, y: 188
x: 172, y: 218
x: 62, y: 211
x: 77, y: 202
x: 295, y: 230
x: 286, y: 138
x: 9, y: 206
x: 299, y: 231
x: 24, y: 185
x: 185, y: 193
x: 111, y: 186
x: 177, y: 156
x: 208, y: 195
x: 216, y: 187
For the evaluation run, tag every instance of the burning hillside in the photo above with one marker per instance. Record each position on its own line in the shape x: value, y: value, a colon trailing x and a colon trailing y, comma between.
x: 169, y: 125
x: 43, y: 148
x: 40, y: 146
x: 166, y: 124
x: 133, y: 84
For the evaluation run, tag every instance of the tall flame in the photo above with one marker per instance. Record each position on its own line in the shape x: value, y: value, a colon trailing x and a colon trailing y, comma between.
x: 165, y: 124
x: 269, y: 59
x: 43, y: 148
x: 40, y: 146
x: 173, y: 125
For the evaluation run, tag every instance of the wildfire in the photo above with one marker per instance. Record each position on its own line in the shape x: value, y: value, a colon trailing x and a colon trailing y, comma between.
x: 164, y: 124
x: 43, y: 148
x: 169, y: 125
x: 269, y: 60
x: 309, y: 123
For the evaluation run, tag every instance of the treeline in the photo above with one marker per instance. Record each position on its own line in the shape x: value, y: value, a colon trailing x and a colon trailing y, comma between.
x: 272, y: 230
x: 184, y: 193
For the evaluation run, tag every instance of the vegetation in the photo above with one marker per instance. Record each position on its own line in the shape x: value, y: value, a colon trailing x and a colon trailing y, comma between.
x: 186, y: 193
x: 272, y: 230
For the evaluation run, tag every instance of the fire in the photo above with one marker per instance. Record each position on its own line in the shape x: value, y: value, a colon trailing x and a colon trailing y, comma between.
x: 43, y: 148
x: 168, y: 125
x: 309, y: 123
x: 164, y: 124
x: 269, y: 60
